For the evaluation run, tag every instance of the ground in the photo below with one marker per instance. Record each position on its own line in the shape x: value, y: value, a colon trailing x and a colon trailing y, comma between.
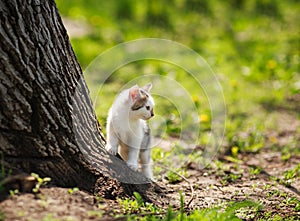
x: 262, y: 177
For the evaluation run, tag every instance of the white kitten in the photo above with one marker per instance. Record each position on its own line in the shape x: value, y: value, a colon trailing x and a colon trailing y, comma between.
x: 127, y: 131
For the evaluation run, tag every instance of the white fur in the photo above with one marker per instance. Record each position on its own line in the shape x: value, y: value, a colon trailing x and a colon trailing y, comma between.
x: 126, y: 129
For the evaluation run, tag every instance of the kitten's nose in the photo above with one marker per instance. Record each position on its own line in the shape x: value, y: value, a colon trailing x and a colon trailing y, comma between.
x: 152, y: 113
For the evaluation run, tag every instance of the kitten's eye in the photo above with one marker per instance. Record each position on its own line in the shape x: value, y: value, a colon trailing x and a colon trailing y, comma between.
x: 147, y: 107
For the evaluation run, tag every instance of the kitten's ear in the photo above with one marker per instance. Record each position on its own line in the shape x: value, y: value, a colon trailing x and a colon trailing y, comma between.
x: 134, y: 93
x: 147, y: 87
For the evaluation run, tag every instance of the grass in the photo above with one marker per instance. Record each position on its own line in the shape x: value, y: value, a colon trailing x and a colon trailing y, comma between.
x: 252, y: 47
x: 137, y: 210
x: 291, y: 175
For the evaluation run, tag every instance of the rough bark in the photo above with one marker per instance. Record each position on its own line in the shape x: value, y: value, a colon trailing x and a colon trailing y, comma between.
x: 47, y: 123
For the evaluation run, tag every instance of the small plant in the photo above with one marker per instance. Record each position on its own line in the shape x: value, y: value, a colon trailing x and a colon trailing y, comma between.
x: 173, y: 177
x: 132, y: 205
x: 40, y: 182
x: 139, y: 199
x: 267, y: 186
x: 13, y: 192
x: 290, y: 175
x: 73, y: 190
x: 224, y: 182
x: 158, y: 154
x: 297, y: 204
x: 137, y: 205
x: 231, y: 177
x: 129, y: 206
x: 275, y: 193
x: 234, y: 151
x: 285, y: 156
x: 291, y: 201
x: 254, y: 171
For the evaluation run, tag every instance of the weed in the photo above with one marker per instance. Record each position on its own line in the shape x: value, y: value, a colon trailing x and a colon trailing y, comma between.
x: 275, y: 193
x: 290, y: 175
x: 285, y: 156
x: 13, y: 192
x: 291, y: 201
x: 254, y: 171
x: 224, y: 182
x: 129, y: 206
x: 73, y: 190
x: 297, y: 204
x: 267, y: 186
x: 173, y: 177
x: 159, y: 154
x: 136, y: 205
x: 234, y: 151
x: 40, y: 182
x: 231, y: 177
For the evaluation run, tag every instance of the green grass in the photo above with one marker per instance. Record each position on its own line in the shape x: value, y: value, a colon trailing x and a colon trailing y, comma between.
x: 136, y: 209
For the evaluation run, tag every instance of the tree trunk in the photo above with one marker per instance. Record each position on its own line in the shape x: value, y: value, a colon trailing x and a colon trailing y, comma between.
x: 47, y: 122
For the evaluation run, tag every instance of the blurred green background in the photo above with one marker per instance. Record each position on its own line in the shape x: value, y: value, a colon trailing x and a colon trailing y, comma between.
x: 251, y: 45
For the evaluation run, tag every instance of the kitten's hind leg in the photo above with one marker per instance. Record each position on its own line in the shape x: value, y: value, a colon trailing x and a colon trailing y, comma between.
x: 112, y: 143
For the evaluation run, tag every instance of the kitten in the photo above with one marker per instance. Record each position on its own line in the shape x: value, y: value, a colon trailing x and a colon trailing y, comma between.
x: 127, y: 131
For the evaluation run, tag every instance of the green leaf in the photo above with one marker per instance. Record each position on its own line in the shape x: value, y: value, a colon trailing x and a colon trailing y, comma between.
x: 138, y: 198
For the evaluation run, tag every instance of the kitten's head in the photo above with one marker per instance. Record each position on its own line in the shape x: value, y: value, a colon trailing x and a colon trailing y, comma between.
x: 141, y: 102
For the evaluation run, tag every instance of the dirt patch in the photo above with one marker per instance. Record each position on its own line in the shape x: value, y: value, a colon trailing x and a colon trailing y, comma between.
x: 52, y: 202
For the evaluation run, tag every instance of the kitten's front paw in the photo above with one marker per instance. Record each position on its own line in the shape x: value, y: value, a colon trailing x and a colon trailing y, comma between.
x: 149, y: 175
x: 152, y: 179
x: 111, y: 150
x: 132, y: 166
